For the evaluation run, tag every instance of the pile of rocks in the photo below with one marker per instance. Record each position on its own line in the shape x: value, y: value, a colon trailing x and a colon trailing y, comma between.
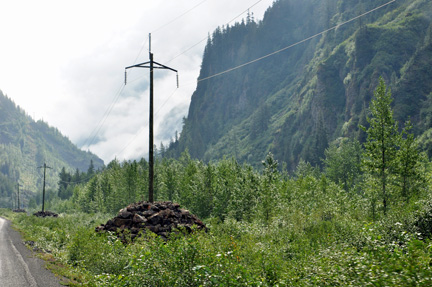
x: 19, y: 210
x: 45, y: 214
x: 161, y: 218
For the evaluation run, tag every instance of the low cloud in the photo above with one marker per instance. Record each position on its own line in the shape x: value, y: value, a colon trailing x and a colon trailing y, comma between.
x: 66, y: 65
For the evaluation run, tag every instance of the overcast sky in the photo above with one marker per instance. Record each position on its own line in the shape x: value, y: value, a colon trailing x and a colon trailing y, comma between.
x: 63, y: 62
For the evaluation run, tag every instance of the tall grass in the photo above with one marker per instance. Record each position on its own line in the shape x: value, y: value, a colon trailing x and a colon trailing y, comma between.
x: 290, y: 251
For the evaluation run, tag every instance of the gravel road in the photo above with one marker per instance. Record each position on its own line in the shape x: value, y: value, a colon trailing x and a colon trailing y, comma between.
x: 18, y: 266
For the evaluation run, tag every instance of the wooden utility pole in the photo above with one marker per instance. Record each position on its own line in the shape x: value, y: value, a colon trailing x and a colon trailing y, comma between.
x: 151, y: 65
x: 18, y: 187
x: 43, y: 190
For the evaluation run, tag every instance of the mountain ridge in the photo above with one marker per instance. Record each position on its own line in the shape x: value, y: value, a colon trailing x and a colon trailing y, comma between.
x: 26, y: 145
x: 296, y: 102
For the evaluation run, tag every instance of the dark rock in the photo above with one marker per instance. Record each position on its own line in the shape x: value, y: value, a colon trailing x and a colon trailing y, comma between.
x: 155, y: 208
x: 155, y: 219
x: 167, y: 213
x: 125, y: 214
x: 148, y: 213
x: 138, y: 219
x: 131, y: 209
x: 119, y: 221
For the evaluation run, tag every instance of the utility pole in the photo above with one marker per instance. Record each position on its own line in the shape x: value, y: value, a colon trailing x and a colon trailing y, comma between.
x: 151, y: 65
x: 43, y: 190
x: 18, y: 187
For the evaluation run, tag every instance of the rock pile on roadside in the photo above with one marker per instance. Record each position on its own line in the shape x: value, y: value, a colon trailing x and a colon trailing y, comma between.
x: 161, y: 218
x: 19, y: 210
x: 45, y: 214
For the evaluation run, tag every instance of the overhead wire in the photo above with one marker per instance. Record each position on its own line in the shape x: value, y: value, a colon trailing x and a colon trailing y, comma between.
x: 297, y: 43
x: 247, y: 10
x: 143, y: 128
x: 205, y: 39
x: 229, y: 22
x: 178, y: 17
x: 164, y: 25
x: 255, y: 60
x: 78, y: 181
x: 99, y: 126
x: 108, y: 111
x: 142, y: 48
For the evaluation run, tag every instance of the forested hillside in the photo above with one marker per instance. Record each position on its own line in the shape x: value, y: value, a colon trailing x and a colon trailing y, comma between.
x: 296, y: 102
x: 26, y: 145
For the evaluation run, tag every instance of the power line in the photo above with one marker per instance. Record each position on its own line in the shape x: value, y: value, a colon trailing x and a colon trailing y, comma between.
x: 142, y: 128
x: 178, y: 17
x: 164, y: 25
x: 247, y: 10
x: 296, y: 44
x: 78, y: 181
x: 99, y: 126
x: 239, y: 66
x: 204, y: 39
x: 93, y: 135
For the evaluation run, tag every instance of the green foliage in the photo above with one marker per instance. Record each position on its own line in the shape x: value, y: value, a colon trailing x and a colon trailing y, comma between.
x: 321, y: 238
x: 265, y: 228
x: 7, y: 192
x: 342, y: 163
x: 409, y: 164
x: 268, y: 197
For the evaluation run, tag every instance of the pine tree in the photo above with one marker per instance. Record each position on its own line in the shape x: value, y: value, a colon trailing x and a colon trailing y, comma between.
x: 91, y: 170
x: 382, y: 140
x: 268, y: 193
x: 63, y: 184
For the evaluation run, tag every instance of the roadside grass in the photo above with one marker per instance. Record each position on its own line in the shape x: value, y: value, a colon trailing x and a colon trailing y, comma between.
x: 292, y: 249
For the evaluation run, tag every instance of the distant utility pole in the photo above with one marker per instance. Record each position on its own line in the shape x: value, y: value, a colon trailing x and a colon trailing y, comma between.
x: 43, y: 190
x: 18, y: 187
x: 151, y: 65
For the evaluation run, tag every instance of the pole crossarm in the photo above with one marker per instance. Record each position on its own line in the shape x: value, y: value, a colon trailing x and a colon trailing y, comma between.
x: 163, y: 67
x: 149, y: 66
x: 139, y: 65
x: 160, y: 66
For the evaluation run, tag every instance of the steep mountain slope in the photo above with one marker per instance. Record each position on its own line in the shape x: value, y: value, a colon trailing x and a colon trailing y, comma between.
x: 295, y: 102
x: 26, y: 145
